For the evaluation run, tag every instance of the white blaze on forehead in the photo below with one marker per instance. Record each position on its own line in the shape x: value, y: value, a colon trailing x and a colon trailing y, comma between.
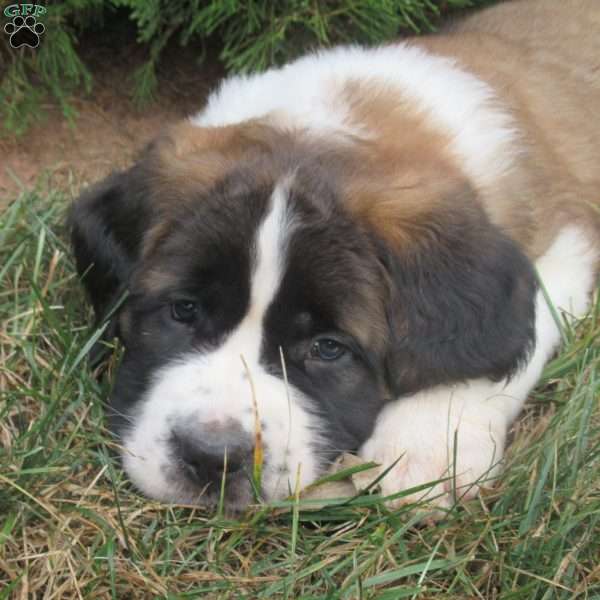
x: 202, y: 388
x: 270, y: 251
x: 269, y: 263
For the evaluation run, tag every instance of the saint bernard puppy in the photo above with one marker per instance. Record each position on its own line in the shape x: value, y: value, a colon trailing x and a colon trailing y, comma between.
x: 361, y: 251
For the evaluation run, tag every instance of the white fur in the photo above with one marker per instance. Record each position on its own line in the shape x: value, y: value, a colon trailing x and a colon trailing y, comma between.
x: 204, y: 388
x: 306, y: 94
x: 420, y: 430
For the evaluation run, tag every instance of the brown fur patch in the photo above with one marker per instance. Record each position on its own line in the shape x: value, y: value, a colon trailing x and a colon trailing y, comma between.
x: 188, y: 159
x: 154, y: 236
x: 155, y: 281
x: 403, y: 175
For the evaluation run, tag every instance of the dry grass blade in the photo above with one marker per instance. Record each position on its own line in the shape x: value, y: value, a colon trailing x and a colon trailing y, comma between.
x: 258, y: 453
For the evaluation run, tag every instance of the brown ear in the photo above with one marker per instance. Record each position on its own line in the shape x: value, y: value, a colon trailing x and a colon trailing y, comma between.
x: 461, y: 292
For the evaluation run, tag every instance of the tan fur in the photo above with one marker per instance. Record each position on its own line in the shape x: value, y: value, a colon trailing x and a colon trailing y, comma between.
x: 542, y: 58
x: 398, y: 182
x: 193, y: 159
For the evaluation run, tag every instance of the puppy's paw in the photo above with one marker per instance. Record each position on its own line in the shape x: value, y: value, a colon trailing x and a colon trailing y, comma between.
x: 433, y: 438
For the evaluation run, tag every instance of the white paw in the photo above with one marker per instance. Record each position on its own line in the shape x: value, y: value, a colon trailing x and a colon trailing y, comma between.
x: 437, y: 435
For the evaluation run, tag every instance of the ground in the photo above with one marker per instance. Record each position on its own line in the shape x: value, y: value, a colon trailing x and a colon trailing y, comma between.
x: 110, y: 128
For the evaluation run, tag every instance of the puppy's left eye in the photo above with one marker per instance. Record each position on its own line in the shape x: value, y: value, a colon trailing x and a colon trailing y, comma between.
x: 327, y: 349
x: 184, y: 311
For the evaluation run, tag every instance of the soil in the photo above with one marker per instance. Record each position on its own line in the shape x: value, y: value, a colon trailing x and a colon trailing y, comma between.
x: 110, y: 129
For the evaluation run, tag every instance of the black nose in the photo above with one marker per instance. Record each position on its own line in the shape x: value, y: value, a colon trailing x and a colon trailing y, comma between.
x: 208, y: 452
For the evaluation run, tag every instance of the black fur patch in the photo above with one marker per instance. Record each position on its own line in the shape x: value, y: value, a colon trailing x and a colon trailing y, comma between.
x: 462, y: 304
x: 107, y: 225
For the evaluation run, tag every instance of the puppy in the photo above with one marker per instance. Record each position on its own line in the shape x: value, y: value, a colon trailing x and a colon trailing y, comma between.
x: 343, y: 255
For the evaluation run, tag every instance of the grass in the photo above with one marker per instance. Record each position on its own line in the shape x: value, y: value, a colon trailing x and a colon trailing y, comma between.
x: 72, y: 526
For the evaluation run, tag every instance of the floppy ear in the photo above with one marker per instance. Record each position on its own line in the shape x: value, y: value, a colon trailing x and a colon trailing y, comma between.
x: 462, y: 299
x: 107, y: 224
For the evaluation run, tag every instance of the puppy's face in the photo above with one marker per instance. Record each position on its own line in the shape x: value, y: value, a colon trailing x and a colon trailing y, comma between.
x: 264, y: 311
x: 259, y: 302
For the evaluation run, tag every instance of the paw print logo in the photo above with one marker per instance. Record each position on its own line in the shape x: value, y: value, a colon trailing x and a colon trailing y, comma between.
x: 24, y: 31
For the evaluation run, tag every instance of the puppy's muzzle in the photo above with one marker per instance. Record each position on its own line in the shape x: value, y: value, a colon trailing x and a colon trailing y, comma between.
x: 209, y: 451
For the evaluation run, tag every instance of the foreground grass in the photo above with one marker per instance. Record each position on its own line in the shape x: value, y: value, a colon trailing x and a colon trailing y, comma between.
x: 71, y: 526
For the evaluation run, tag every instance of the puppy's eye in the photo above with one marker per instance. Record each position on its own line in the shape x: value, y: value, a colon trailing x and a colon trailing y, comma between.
x: 327, y: 349
x: 184, y: 311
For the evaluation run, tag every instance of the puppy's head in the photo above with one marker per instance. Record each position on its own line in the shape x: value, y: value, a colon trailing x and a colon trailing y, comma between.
x: 284, y: 284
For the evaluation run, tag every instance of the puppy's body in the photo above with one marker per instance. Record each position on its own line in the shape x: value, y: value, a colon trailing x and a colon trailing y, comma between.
x: 362, y: 227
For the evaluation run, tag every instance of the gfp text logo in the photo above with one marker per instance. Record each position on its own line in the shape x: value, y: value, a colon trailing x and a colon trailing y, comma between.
x: 24, y: 29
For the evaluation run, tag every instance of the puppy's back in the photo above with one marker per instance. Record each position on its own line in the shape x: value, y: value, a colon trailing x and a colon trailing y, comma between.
x: 542, y: 59
x: 562, y: 32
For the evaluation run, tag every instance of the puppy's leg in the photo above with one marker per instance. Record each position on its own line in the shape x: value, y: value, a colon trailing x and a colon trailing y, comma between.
x: 458, y: 432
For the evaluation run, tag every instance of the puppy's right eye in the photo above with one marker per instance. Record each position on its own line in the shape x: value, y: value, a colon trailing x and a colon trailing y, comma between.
x: 184, y: 311
x: 327, y: 349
